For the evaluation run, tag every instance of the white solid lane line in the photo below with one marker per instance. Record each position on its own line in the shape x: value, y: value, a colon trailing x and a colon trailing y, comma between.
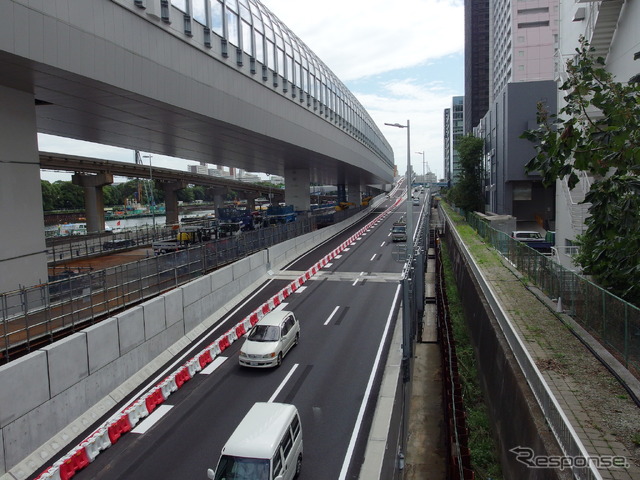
x: 152, y: 419
x: 365, y: 400
x: 374, y: 256
x: 284, y: 382
x: 332, y: 314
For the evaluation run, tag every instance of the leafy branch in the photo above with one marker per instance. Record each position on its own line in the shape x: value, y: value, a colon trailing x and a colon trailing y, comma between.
x: 597, y: 131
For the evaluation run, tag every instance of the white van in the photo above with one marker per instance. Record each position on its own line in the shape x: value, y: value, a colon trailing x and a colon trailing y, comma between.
x: 266, y: 445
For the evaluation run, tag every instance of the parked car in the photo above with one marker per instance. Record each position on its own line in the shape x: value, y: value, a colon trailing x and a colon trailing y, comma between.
x: 535, y: 240
x: 527, y: 236
x: 270, y: 340
x: 115, y: 244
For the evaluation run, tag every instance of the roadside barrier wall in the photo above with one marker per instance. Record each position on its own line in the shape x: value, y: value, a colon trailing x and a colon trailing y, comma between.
x: 53, y: 394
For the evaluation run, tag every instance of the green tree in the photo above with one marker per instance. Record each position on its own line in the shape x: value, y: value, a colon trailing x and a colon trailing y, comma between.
x: 467, y: 193
x: 50, y: 194
x: 185, y: 195
x: 71, y: 197
x: 597, y: 132
x: 198, y: 192
x: 112, y: 196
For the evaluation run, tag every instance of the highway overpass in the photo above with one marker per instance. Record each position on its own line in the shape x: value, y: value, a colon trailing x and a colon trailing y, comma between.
x: 220, y: 82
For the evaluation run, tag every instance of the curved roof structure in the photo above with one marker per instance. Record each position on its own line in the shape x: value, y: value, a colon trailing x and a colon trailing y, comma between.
x: 250, y: 27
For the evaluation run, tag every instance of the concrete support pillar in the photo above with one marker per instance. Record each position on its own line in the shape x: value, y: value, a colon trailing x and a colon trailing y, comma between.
x: 219, y: 196
x: 354, y: 193
x: 342, y: 192
x: 23, y: 260
x: 171, y: 200
x: 251, y: 199
x: 93, y: 198
x: 296, y: 192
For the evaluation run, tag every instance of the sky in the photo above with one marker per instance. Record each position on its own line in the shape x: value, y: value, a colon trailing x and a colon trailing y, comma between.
x: 402, y: 61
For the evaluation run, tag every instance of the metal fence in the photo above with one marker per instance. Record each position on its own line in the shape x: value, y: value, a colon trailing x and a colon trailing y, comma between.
x: 614, y: 322
x: 63, y: 249
x: 34, y: 316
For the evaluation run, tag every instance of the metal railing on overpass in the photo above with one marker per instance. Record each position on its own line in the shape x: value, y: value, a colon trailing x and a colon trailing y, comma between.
x: 35, y: 316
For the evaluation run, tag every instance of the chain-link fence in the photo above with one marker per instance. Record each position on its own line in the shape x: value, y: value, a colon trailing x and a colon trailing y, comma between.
x: 614, y: 322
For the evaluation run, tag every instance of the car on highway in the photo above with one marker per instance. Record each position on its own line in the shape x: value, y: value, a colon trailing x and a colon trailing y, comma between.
x: 399, y: 232
x: 266, y: 445
x: 270, y: 340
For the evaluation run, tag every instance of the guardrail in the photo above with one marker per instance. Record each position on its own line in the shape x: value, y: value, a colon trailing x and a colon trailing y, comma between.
x: 560, y: 426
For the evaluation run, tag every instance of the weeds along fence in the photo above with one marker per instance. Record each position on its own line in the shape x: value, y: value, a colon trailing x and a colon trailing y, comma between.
x: 614, y: 322
x: 33, y: 316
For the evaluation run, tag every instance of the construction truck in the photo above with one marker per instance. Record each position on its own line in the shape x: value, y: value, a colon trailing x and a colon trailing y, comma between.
x: 186, y: 236
x: 344, y: 206
x: 280, y: 214
x: 237, y: 218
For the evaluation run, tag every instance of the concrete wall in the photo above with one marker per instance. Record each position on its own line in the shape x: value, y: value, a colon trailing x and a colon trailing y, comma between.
x: 53, y: 394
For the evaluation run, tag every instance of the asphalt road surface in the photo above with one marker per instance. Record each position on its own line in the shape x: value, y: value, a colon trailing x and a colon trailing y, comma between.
x: 346, y: 313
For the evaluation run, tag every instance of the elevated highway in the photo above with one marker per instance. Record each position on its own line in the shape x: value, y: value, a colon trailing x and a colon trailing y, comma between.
x: 74, y: 163
x: 217, y: 82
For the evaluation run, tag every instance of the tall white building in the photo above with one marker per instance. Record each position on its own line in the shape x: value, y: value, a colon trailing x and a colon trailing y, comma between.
x: 200, y: 169
x: 612, y: 27
x: 522, y: 40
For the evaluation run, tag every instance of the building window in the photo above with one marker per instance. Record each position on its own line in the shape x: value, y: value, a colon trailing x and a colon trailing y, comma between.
x: 199, y: 11
x: 534, y: 24
x: 232, y: 28
x: 531, y: 11
x: 216, y: 18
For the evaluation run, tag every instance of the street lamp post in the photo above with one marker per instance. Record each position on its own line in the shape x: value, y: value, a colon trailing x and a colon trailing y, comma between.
x: 424, y: 174
x: 407, y: 320
x: 409, y: 202
x: 152, y: 206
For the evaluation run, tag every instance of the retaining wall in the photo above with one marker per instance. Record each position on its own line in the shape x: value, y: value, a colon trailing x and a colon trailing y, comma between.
x: 51, y: 395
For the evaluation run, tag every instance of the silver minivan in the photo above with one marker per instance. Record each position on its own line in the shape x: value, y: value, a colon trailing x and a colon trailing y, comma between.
x: 266, y: 445
x: 270, y: 340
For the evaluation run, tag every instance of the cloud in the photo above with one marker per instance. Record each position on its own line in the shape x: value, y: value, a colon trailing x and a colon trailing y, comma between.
x: 420, y: 101
x: 361, y: 38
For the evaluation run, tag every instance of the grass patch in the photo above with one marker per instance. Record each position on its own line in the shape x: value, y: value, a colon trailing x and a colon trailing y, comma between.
x: 484, y: 451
